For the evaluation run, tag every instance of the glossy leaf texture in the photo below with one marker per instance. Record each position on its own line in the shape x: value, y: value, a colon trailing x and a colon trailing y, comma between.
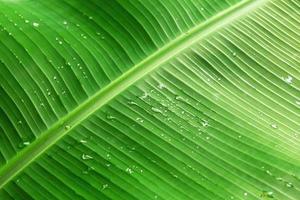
x: 150, y: 99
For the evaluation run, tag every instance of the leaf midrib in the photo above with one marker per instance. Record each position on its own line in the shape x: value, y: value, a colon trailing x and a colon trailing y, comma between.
x: 94, y: 103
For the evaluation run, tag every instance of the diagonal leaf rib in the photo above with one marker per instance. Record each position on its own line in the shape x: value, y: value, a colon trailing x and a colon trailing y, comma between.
x: 71, y: 120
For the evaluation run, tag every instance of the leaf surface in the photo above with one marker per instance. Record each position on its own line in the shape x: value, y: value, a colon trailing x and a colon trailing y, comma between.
x: 149, y: 99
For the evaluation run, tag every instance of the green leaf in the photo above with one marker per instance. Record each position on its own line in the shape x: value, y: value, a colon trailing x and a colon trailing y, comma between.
x: 143, y: 99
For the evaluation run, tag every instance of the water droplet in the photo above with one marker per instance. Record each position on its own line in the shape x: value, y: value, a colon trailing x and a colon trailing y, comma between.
x: 268, y: 194
x: 144, y: 96
x: 88, y: 170
x: 205, y: 123
x: 110, y: 117
x: 104, y: 186
x: 83, y: 141
x: 35, y: 24
x: 274, y: 126
x: 207, y: 138
x: 202, y: 8
x: 23, y: 144
x: 234, y: 53
x: 289, y: 184
x: 26, y: 21
x: 67, y: 127
x: 161, y: 86
x: 132, y: 103
x: 129, y: 170
x: 245, y: 194
x: 156, y: 110
x: 268, y: 172
x: 86, y: 157
x: 90, y: 17
x: 179, y: 98
x: 20, y: 122
x: 288, y: 79
x: 298, y: 103
x: 279, y: 179
x: 65, y: 22
x: 139, y: 119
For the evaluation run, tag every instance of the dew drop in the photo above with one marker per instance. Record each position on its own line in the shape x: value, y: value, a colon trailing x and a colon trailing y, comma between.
x: 268, y: 194
x: 67, y: 127
x: 179, y: 98
x: 20, y: 122
x: 83, y: 141
x: 129, y: 170
x: 86, y: 157
x: 139, y: 119
x: 35, y: 24
x: 298, y: 103
x: 288, y: 79
x: 86, y: 171
x: 144, y: 96
x: 65, y: 22
x: 104, y: 186
x: 161, y: 86
x: 23, y: 144
x: 234, y: 53
x: 205, y: 123
x: 26, y: 21
x: 110, y: 117
x: 268, y: 172
x: 245, y: 194
x: 156, y: 110
x: 279, y: 179
x: 132, y: 103
x: 289, y: 184
x: 274, y: 126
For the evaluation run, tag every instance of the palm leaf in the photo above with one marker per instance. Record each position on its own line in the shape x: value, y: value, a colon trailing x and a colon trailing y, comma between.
x: 171, y: 99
